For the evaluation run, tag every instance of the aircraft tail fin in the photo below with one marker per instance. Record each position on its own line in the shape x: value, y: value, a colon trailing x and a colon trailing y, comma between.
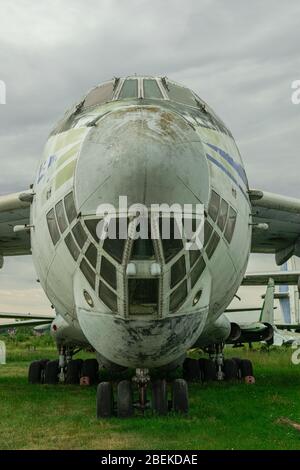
x: 267, y: 312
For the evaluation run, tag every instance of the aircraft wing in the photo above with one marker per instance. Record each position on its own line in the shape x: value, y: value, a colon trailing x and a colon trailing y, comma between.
x: 290, y: 278
x: 26, y: 316
x: 30, y: 323
x: 14, y: 210
x: 282, y: 215
x: 288, y: 326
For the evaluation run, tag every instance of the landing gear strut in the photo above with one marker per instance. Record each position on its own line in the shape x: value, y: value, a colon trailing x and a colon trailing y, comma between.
x: 142, y: 380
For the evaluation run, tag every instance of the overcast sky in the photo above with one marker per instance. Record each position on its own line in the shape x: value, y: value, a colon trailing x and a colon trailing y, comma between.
x: 240, y: 57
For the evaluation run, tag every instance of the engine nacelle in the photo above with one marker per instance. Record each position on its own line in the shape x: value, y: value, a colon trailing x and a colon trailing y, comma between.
x: 215, y: 333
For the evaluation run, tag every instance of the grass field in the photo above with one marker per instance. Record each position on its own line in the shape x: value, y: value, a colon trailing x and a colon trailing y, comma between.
x: 222, y: 415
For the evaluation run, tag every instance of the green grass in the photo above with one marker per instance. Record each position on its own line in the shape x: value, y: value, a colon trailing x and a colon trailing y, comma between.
x: 222, y: 415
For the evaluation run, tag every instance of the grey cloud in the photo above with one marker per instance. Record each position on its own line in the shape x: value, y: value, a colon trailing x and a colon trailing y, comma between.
x: 240, y: 57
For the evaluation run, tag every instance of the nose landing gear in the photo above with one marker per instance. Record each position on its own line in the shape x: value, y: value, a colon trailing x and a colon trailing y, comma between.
x: 125, y: 403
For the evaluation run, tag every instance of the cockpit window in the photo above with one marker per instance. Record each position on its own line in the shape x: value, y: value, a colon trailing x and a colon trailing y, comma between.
x: 79, y: 234
x: 92, y: 228
x: 212, y: 245
x: 230, y: 226
x: 60, y: 215
x: 181, y: 94
x: 99, y: 95
x: 194, y: 256
x: 178, y: 271
x: 108, y: 272
x: 178, y: 296
x: 207, y: 232
x: 72, y: 247
x: 214, y: 204
x: 52, y: 226
x: 108, y: 297
x: 197, y: 271
x: 114, y: 246
x: 143, y: 249
x: 70, y: 207
x: 91, y: 255
x: 222, y: 215
x: 170, y: 237
x: 129, y: 89
x: 151, y: 89
x: 88, y: 273
x: 143, y: 296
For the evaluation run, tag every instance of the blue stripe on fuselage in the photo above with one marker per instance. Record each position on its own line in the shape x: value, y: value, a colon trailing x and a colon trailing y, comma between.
x: 219, y: 165
x: 236, y: 166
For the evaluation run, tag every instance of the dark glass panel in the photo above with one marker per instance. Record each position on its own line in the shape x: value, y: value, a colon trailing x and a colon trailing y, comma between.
x: 178, y: 271
x: 70, y: 207
x: 88, y: 273
x: 178, y: 296
x: 143, y: 296
x: 73, y: 248
x: 91, y: 255
x: 79, y: 234
x: 108, y: 297
x: 108, y: 272
x: 52, y: 226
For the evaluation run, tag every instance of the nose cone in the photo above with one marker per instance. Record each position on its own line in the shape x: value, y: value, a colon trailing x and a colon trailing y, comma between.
x: 149, y: 154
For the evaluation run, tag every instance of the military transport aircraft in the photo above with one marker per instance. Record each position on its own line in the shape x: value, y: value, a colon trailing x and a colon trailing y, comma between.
x: 138, y: 303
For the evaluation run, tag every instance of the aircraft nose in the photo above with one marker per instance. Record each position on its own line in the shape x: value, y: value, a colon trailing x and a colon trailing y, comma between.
x: 149, y: 154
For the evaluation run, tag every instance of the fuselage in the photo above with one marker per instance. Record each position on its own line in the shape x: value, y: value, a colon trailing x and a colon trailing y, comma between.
x: 153, y: 142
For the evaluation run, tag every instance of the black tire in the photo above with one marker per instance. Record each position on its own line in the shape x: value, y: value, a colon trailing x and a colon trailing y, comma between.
x: 160, y: 397
x: 51, y: 373
x: 44, y: 362
x: 191, y: 370
x: 35, y: 372
x: 104, y: 400
x: 180, y: 400
x: 238, y: 361
x: 230, y: 369
x: 73, y: 372
x: 208, y: 369
x: 125, y: 399
x: 90, y: 368
x: 246, y: 368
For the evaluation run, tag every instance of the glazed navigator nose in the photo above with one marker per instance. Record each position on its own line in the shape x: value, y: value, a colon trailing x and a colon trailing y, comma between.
x: 150, y: 155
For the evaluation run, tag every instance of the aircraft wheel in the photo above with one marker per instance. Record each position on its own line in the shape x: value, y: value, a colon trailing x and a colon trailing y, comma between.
x: 180, y: 400
x: 160, y: 397
x: 191, y: 370
x: 105, y: 400
x: 125, y: 399
x: 230, y: 369
x: 90, y: 369
x: 73, y: 372
x: 35, y: 372
x: 246, y: 368
x: 51, y: 373
x: 208, y: 369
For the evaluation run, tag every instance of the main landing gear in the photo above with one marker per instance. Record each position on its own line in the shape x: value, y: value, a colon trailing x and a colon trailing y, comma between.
x: 125, y: 403
x: 65, y: 370
x: 216, y: 367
